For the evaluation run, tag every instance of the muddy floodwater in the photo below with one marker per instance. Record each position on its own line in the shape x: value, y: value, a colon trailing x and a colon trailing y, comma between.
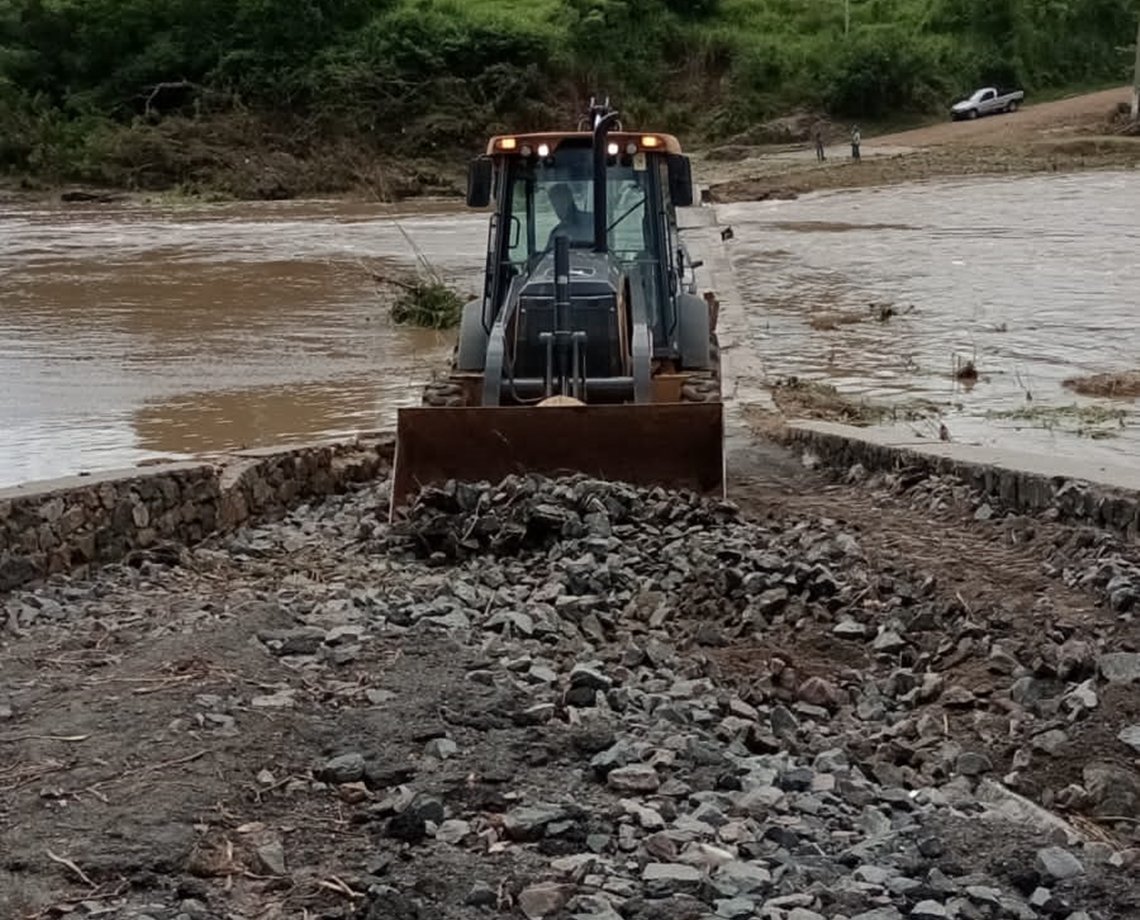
x: 141, y: 331
x: 129, y: 333
x: 887, y: 293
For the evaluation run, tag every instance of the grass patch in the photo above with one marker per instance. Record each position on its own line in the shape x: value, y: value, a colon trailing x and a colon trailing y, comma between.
x: 427, y: 303
x: 1096, y: 422
x: 1124, y: 385
x: 814, y: 399
x: 422, y: 297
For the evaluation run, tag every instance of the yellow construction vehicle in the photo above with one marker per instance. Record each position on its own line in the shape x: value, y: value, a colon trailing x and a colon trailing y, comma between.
x: 589, y: 350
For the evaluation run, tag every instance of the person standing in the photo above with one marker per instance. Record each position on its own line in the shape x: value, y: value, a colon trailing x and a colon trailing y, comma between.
x: 856, y: 140
x: 817, y: 136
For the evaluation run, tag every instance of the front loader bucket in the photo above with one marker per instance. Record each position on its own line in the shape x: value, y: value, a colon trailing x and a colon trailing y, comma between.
x: 676, y: 445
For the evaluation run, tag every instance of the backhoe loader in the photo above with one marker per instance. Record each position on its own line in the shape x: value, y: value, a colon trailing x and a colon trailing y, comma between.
x: 589, y: 350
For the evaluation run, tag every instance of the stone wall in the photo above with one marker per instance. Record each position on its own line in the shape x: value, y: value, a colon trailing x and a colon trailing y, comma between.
x: 67, y: 524
x: 1075, y: 499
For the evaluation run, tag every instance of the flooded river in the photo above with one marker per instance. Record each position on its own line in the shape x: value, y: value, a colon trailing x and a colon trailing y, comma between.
x: 135, y: 332
x: 132, y: 332
x: 1032, y: 279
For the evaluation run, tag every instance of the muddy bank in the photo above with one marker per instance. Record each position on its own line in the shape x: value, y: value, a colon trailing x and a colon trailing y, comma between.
x: 782, y: 178
x: 246, y: 157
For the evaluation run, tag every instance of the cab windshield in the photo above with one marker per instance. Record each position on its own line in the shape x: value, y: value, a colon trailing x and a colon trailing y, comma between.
x: 545, y: 200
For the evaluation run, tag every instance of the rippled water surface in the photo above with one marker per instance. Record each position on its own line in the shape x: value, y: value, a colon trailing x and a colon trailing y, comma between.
x: 1032, y: 279
x: 129, y: 332
x: 134, y: 332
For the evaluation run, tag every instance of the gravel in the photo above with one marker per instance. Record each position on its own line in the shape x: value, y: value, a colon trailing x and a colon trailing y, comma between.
x: 661, y: 755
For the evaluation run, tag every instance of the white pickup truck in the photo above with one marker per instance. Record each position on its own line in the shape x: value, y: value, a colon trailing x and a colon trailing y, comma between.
x: 986, y: 101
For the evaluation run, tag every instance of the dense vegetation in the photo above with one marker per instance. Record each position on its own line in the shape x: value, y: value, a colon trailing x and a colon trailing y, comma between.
x: 156, y: 91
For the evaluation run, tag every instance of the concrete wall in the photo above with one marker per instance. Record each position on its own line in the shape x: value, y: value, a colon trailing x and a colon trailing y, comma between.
x: 65, y: 524
x: 1081, y: 491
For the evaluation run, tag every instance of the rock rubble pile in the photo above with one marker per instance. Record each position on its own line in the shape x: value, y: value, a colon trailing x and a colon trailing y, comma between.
x: 657, y: 708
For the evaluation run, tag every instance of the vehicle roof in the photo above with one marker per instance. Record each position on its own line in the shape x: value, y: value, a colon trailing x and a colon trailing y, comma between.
x: 668, y: 143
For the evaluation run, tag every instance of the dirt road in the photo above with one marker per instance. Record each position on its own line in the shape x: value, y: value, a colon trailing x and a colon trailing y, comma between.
x: 1061, y: 136
x: 1032, y: 123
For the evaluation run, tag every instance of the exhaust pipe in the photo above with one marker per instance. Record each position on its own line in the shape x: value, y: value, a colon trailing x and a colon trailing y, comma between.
x: 602, y: 125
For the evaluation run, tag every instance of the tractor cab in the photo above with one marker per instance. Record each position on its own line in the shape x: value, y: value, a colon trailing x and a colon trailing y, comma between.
x: 549, y: 184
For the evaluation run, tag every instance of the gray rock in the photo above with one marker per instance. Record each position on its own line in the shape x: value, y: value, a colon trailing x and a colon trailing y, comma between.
x: 1120, y: 667
x: 984, y: 894
x: 888, y: 641
x: 515, y: 621
x: 1083, y: 696
x: 672, y: 876
x: 929, y: 910
x: 453, y: 831
x: 1131, y: 737
x: 770, y: 602
x: 735, y: 908
x: 345, y: 768
x: 787, y: 901
x: 971, y: 763
x: 1050, y: 742
x: 282, y: 699
x: 802, y: 913
x: 271, y: 856
x: 1113, y: 789
x: 874, y: 875
x: 831, y: 761
x: 530, y: 822
x: 1058, y: 863
x: 441, y: 748
x: 879, y: 913
x: 1030, y: 691
x: 848, y: 628
x: 584, y: 676
x: 816, y: 691
x: 745, y: 878
x: 873, y: 822
x: 541, y: 900
x: 618, y: 755
x: 634, y: 778
x: 481, y: 895
x: 784, y: 721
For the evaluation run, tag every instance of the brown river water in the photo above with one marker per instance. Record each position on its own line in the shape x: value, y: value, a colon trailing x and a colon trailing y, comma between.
x: 130, y: 332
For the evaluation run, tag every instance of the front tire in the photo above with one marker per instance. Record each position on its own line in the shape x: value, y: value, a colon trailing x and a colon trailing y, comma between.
x: 443, y: 394
x: 973, y: 114
x: 704, y: 386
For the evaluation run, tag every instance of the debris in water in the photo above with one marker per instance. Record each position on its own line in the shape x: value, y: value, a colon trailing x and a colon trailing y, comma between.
x: 1122, y: 385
